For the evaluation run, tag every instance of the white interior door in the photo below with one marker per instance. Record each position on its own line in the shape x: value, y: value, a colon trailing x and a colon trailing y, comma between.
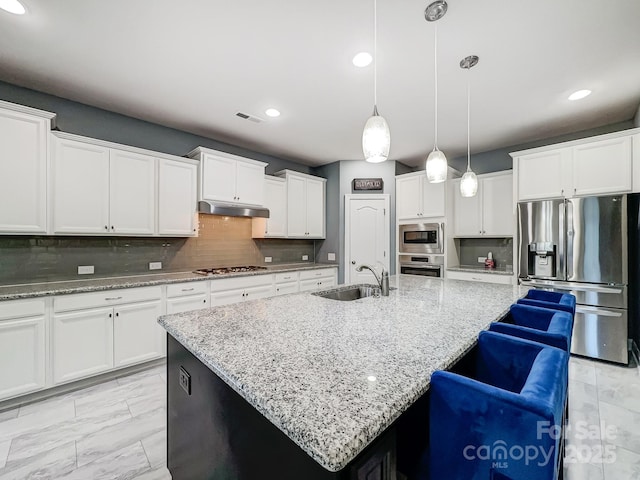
x: 366, y: 235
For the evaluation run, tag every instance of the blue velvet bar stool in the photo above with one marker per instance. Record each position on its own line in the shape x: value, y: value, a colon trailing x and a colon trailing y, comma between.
x: 544, y: 325
x: 503, y: 419
x: 555, y: 300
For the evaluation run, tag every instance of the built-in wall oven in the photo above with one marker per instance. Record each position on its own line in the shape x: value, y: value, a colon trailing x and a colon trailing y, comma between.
x: 421, y: 238
x: 424, y: 265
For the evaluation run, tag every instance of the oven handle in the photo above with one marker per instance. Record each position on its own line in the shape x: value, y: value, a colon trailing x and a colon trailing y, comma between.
x: 420, y: 265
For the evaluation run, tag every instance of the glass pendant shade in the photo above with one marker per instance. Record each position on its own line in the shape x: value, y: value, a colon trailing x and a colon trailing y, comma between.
x: 469, y: 184
x: 376, y: 139
x: 436, y: 167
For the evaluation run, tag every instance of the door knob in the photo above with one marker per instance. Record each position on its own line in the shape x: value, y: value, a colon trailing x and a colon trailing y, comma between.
x: 353, y: 262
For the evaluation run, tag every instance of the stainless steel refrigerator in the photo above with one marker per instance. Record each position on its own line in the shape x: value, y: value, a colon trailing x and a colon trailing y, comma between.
x: 579, y: 246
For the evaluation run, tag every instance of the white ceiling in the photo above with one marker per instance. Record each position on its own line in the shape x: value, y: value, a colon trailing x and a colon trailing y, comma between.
x: 192, y: 65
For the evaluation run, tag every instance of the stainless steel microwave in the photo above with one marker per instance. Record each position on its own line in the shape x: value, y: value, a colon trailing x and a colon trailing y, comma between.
x: 425, y: 238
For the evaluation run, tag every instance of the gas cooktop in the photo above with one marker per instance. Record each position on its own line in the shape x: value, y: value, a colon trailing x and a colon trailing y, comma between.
x: 223, y: 270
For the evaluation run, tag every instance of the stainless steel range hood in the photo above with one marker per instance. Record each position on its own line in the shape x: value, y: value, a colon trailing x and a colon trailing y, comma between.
x: 229, y: 210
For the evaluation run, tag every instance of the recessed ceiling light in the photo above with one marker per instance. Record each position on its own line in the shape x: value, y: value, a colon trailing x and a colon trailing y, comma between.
x: 362, y: 59
x: 579, y: 94
x: 13, y: 6
x: 272, y: 112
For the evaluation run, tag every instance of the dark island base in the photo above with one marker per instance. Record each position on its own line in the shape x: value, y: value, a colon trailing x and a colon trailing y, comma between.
x: 213, y: 433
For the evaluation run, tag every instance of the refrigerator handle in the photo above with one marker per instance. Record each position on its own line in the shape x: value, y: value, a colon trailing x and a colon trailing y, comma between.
x: 561, y: 270
x: 569, y: 240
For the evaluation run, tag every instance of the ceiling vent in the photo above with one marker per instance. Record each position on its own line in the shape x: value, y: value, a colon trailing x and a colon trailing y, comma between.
x: 251, y: 118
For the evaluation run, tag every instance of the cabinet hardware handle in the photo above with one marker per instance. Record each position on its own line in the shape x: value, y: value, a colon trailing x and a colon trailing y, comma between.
x: 106, y: 227
x: 204, y: 301
x: 112, y: 227
x: 113, y: 298
x: 575, y: 190
x: 562, y: 192
x: 117, y: 314
x: 188, y: 289
x: 194, y: 229
x: 110, y: 315
x: 277, y: 289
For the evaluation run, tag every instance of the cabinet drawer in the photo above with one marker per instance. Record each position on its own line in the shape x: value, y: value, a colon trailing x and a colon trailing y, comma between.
x: 323, y: 272
x: 188, y: 288
x: 21, y: 308
x: 287, y: 287
x: 286, y: 277
x: 481, y: 277
x: 240, y: 282
x: 105, y: 298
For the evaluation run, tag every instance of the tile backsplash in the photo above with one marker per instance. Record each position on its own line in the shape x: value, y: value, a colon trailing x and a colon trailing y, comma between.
x: 469, y: 249
x: 222, y: 241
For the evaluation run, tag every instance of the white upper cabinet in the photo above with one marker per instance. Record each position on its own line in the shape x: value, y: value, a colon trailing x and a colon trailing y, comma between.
x: 489, y: 212
x: 80, y: 184
x: 306, y: 214
x: 417, y: 198
x: 275, y: 199
x: 229, y: 178
x: 177, y: 192
x: 606, y: 164
x: 132, y: 193
x: 23, y: 169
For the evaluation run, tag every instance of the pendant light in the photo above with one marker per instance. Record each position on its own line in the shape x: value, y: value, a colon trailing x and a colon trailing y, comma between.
x: 436, y: 161
x: 376, y: 138
x: 469, y: 182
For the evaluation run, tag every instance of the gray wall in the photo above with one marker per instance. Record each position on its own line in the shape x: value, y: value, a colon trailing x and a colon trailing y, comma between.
x: 81, y: 119
x: 636, y: 120
x: 497, y: 160
x: 332, y: 243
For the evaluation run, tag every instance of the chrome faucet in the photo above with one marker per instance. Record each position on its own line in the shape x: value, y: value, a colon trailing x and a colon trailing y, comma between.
x: 383, y: 280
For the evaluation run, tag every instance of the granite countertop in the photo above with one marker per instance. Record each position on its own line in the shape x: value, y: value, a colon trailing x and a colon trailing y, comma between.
x: 334, y: 375
x: 474, y: 269
x: 31, y: 290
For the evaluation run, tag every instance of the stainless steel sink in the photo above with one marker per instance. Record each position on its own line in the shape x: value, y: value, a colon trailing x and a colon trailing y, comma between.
x: 351, y: 292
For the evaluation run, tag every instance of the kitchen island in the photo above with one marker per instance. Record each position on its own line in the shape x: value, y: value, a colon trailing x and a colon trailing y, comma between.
x: 331, y: 378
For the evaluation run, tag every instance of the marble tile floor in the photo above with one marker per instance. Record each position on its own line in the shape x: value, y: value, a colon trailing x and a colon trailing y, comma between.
x: 117, y: 429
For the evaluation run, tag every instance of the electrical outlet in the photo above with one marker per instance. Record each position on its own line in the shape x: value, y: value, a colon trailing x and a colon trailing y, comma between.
x: 85, y: 269
x: 331, y: 257
x: 268, y: 259
x: 481, y: 259
x: 305, y: 257
x: 185, y: 380
x: 155, y: 265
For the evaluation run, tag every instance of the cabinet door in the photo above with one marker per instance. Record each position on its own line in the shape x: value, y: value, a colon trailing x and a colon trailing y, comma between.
x: 23, y: 173
x: 226, y: 297
x: 186, y: 304
x: 249, y: 183
x: 22, y: 356
x: 497, y: 206
x: 326, y: 282
x: 311, y: 284
x: 296, y: 207
x: 177, y: 191
x: 80, y: 188
x: 602, y: 167
x: 218, y: 178
x: 287, y: 287
x: 467, y: 212
x: 409, y: 197
x: 544, y: 175
x: 261, y: 291
x: 275, y: 200
x: 315, y: 208
x: 433, y: 195
x: 132, y: 193
x: 136, y: 333
x: 82, y: 344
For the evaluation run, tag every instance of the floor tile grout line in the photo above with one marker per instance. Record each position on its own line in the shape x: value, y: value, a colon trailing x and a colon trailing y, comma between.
x: 146, y: 454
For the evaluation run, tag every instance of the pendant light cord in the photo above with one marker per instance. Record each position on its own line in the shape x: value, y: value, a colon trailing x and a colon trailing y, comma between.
x: 375, y: 55
x: 468, y: 119
x: 435, y: 70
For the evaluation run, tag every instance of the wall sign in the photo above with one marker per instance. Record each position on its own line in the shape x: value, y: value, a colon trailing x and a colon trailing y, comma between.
x: 371, y: 184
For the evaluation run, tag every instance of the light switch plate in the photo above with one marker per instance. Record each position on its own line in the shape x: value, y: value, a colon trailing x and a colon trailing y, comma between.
x: 85, y: 269
x: 481, y: 259
x: 305, y: 257
x: 268, y: 259
x: 155, y: 265
x: 331, y: 257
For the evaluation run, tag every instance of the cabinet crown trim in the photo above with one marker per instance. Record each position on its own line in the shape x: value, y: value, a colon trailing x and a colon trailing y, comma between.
x: 451, y: 174
x: 289, y: 173
x: 199, y: 151
x: 125, y: 148
x: 574, y: 143
x: 28, y: 110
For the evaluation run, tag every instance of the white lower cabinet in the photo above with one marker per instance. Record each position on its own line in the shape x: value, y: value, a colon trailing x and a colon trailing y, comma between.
x: 96, y: 332
x: 137, y: 336
x: 22, y: 347
x: 286, y: 282
x: 481, y: 277
x: 82, y: 344
x: 318, y: 279
x: 242, y: 289
x: 186, y: 297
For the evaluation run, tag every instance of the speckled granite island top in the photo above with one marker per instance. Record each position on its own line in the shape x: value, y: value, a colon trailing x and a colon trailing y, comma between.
x: 473, y: 269
x: 13, y: 292
x: 334, y: 375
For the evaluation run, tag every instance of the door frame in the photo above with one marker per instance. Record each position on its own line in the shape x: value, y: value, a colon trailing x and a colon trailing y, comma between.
x: 347, y: 228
